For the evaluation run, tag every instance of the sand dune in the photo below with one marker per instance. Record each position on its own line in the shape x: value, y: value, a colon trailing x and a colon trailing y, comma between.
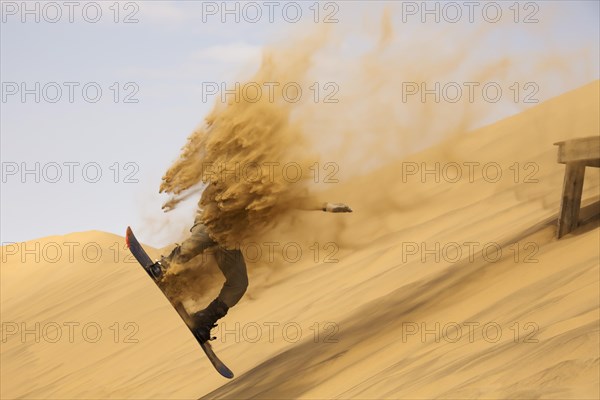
x: 393, y: 318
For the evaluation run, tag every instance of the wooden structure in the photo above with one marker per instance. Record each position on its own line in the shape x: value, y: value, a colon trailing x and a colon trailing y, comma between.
x: 576, y: 154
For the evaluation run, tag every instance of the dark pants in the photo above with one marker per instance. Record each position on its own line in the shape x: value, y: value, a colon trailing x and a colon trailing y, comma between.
x: 230, y: 262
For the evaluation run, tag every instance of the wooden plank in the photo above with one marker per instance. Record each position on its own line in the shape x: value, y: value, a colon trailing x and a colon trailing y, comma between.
x: 583, y: 149
x: 571, y: 198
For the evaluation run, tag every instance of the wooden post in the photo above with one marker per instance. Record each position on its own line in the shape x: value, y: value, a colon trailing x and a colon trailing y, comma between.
x: 576, y: 154
x: 571, y: 198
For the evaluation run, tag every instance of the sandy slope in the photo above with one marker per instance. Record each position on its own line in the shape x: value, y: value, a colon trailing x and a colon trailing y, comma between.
x: 538, y: 302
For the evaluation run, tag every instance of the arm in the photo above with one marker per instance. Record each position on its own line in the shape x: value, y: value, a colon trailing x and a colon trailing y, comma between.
x: 336, y: 208
x: 326, y: 207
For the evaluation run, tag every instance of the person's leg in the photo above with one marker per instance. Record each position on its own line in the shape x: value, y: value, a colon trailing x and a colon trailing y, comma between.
x: 232, y: 265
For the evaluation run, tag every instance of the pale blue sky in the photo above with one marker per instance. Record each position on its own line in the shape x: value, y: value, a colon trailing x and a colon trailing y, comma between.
x: 167, y: 55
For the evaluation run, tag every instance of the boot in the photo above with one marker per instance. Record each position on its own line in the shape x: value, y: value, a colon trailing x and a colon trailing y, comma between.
x: 203, y: 321
x: 159, y: 268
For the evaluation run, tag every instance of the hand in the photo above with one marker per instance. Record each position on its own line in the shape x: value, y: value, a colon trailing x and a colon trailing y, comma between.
x: 336, y: 208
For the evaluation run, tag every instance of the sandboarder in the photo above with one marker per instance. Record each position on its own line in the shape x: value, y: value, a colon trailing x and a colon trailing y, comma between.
x: 230, y: 262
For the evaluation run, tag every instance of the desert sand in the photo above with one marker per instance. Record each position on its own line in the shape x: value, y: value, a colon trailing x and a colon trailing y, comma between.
x: 394, y: 320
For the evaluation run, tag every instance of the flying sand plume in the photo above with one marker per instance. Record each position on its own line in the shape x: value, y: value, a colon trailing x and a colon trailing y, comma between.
x: 229, y: 158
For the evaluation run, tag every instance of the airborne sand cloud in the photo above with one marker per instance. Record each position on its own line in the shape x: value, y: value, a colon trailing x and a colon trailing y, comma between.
x: 402, y: 88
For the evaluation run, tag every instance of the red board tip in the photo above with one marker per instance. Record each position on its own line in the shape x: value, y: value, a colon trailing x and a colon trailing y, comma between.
x: 127, y: 236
